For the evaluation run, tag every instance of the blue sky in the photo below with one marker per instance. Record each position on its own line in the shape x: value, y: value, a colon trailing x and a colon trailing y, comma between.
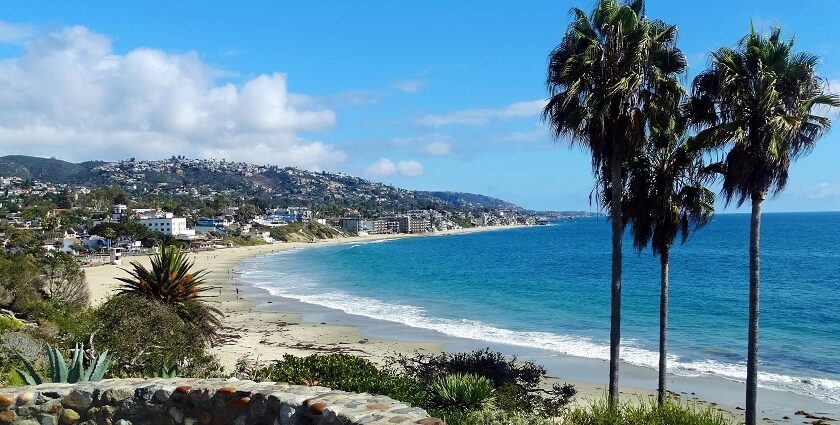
x: 423, y: 95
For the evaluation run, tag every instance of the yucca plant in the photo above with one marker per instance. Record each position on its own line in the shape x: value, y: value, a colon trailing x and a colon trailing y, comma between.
x: 170, y: 279
x: 59, y: 371
x: 463, y: 392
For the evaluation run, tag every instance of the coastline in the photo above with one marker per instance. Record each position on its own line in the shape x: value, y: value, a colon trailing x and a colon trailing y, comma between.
x: 263, y: 328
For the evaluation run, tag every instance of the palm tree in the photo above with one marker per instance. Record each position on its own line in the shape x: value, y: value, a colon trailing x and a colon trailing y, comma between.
x: 666, y: 198
x: 609, y: 67
x: 171, y: 280
x: 766, y: 104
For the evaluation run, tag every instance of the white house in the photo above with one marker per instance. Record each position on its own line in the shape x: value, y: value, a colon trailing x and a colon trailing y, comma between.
x: 168, y: 225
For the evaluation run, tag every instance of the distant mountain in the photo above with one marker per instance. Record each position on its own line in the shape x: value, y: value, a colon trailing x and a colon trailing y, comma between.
x: 471, y: 201
x: 282, y: 185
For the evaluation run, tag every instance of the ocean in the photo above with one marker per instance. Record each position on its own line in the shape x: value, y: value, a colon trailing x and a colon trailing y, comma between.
x: 547, y: 288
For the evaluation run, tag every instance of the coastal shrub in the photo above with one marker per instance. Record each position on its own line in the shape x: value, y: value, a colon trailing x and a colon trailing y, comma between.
x: 499, y: 417
x: 517, y: 383
x: 146, y: 335
x: 9, y: 324
x: 63, y: 281
x: 462, y: 392
x: 344, y: 372
x: 644, y: 412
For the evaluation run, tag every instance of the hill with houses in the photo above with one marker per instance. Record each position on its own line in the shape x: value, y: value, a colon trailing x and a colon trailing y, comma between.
x: 281, y: 185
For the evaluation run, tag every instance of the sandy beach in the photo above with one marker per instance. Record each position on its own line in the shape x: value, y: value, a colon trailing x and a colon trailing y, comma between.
x: 264, y: 336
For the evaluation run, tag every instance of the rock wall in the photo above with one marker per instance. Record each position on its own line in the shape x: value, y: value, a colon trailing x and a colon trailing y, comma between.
x: 195, y: 401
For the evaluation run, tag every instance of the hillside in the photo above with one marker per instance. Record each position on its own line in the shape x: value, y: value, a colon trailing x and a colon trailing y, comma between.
x: 280, y: 185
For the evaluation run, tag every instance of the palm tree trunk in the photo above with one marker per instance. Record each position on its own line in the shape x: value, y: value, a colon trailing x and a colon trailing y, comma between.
x: 663, y: 322
x: 752, y: 338
x: 615, y: 310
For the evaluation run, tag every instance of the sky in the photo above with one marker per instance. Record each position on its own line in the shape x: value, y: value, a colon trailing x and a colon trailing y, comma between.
x: 433, y: 95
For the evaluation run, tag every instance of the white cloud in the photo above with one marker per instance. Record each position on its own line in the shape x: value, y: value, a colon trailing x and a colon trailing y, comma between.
x: 408, y: 86
x: 385, y: 168
x: 437, y: 148
x: 483, y: 116
x: 10, y: 32
x: 70, y: 96
x: 823, y: 190
x: 410, y: 168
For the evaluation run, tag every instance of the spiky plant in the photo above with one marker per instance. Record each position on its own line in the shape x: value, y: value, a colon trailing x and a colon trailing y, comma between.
x: 170, y: 279
x: 60, y: 371
x: 463, y: 392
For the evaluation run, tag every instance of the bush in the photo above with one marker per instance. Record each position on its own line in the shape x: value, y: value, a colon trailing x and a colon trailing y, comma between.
x: 146, y: 335
x: 344, y: 372
x: 9, y: 324
x: 644, y: 412
x: 497, y: 417
x: 63, y: 281
x: 462, y: 392
x: 517, y: 383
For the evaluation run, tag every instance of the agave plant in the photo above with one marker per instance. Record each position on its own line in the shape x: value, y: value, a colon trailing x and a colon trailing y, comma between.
x: 170, y: 278
x: 463, y: 391
x: 59, y: 371
x: 166, y: 372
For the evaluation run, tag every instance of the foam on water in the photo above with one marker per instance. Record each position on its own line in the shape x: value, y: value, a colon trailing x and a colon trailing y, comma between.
x: 307, y: 291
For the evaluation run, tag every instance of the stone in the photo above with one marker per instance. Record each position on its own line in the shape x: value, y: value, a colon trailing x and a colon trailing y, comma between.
x: 79, y: 399
x: 239, y: 403
x: 226, y: 391
x: 44, y: 419
x: 204, y: 417
x: 430, y: 421
x: 25, y: 398
x: 69, y: 416
x: 379, y: 406
x: 183, y: 389
x: 398, y: 419
x: 7, y: 416
x: 317, y: 408
x: 6, y: 401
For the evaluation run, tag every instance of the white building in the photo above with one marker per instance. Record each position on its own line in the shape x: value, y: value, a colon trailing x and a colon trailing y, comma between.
x: 168, y: 225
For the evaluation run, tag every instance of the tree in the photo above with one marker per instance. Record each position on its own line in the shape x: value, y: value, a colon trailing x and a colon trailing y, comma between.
x: 602, y: 77
x: 763, y: 102
x: 171, y: 280
x: 666, y: 198
x: 63, y: 281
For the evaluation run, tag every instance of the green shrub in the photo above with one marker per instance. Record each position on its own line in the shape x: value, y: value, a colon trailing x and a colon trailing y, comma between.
x: 645, y: 412
x: 462, y: 392
x: 146, y: 335
x: 517, y: 382
x: 344, y: 372
x: 10, y: 324
x: 498, y: 417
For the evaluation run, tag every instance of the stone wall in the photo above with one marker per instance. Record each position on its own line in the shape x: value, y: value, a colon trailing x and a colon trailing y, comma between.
x: 196, y: 401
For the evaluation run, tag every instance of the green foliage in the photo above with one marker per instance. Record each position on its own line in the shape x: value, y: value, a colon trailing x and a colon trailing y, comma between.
x: 344, y: 372
x: 462, y: 392
x: 644, y: 412
x: 242, y: 241
x: 60, y: 371
x: 63, y: 281
x: 171, y: 280
x: 496, y: 417
x: 303, y: 232
x: 517, y: 382
x: 9, y: 324
x: 165, y: 372
x: 147, y: 335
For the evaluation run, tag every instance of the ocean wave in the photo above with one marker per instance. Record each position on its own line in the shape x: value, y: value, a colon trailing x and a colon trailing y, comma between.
x: 306, y: 291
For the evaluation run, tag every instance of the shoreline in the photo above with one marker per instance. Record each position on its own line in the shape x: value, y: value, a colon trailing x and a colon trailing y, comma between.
x: 265, y: 327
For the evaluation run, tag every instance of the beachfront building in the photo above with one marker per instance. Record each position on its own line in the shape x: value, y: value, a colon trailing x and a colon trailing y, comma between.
x: 168, y: 225
x: 356, y: 225
x: 388, y: 225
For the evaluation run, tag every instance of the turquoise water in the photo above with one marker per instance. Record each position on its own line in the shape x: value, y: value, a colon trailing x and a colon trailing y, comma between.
x: 548, y: 287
